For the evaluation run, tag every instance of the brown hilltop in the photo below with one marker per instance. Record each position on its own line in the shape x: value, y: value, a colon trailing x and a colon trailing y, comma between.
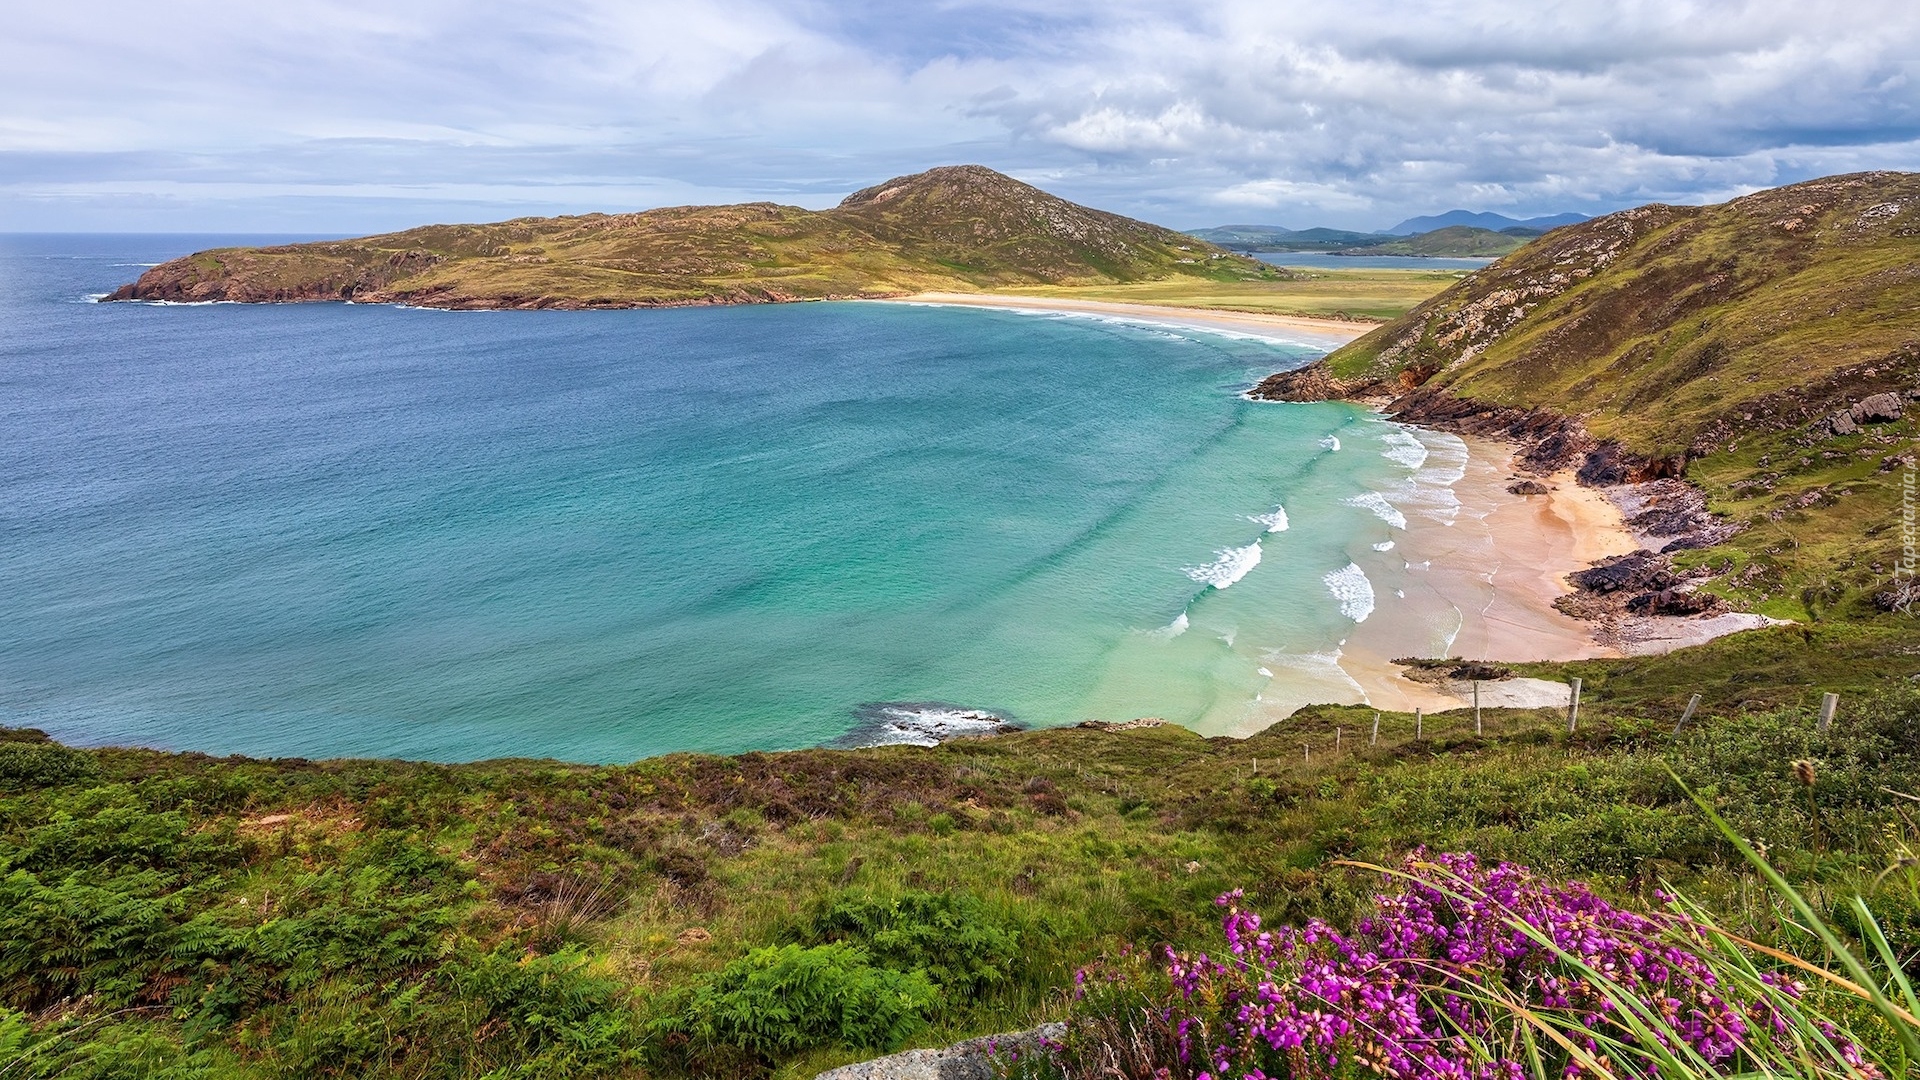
x: 959, y: 227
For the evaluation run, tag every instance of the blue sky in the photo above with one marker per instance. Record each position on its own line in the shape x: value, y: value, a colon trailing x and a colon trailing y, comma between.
x: 305, y: 116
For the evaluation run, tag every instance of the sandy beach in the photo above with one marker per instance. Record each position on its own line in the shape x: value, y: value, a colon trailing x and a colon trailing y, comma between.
x: 1487, y: 571
x: 1476, y: 562
x: 1297, y: 328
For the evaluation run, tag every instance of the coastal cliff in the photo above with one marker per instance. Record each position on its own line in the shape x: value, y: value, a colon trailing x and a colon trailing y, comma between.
x: 1764, y: 349
x: 961, y: 227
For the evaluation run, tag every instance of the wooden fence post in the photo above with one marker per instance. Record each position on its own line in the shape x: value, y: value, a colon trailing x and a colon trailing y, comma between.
x: 1692, y: 704
x: 1416, y: 724
x: 1375, y: 740
x: 1573, y: 707
x: 1829, y: 704
x: 1476, y: 707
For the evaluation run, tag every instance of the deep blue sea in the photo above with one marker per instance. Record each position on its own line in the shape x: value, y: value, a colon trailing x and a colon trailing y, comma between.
x: 330, y: 530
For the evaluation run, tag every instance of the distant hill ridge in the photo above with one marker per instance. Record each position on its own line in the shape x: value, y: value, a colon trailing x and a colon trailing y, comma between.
x: 955, y: 227
x: 1490, y: 222
x: 1456, y: 233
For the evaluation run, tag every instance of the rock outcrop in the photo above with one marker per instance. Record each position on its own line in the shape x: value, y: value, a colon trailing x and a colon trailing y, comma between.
x: 974, y: 1059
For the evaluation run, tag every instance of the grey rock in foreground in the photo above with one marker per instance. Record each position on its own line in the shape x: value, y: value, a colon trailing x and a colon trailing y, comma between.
x: 970, y: 1060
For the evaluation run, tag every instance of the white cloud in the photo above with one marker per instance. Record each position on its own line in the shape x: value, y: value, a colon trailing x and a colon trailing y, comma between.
x: 1353, y: 113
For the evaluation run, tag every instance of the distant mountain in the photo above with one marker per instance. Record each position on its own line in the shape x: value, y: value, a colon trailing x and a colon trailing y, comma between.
x: 960, y: 227
x: 1492, y: 222
x: 1275, y: 238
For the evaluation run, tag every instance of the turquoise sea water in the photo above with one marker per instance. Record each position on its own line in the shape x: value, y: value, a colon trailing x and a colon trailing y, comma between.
x: 351, y: 530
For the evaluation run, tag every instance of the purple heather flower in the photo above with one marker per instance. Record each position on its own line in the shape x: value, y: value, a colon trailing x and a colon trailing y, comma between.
x: 1404, y: 995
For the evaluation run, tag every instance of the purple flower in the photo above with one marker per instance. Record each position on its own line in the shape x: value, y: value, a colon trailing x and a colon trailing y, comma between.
x: 1430, y: 983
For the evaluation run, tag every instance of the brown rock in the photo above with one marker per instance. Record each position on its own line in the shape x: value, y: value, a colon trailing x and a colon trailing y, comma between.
x: 1878, y: 409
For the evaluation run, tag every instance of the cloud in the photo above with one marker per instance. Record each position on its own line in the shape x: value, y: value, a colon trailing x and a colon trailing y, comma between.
x: 215, y: 113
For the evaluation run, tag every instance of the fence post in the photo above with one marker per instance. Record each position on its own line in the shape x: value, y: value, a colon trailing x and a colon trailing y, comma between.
x: 1476, y: 706
x: 1336, y: 740
x: 1308, y: 747
x: 1375, y: 740
x: 1573, y: 706
x: 1829, y: 703
x: 1692, y: 704
x: 1416, y: 724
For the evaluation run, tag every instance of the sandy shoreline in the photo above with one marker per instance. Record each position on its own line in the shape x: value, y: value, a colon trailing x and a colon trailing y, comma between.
x: 1487, y: 570
x: 1294, y: 328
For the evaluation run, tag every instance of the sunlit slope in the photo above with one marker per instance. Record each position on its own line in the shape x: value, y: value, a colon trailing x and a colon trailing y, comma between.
x: 961, y: 227
x: 1671, y: 329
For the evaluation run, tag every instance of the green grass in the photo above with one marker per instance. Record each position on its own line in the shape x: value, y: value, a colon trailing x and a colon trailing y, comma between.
x: 248, y: 918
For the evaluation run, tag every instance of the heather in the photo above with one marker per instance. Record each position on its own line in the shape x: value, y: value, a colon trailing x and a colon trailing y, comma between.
x: 1459, y: 970
x: 775, y: 914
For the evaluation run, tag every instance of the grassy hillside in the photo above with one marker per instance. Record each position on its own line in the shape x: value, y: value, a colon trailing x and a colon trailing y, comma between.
x: 1455, y: 241
x: 182, y: 916
x: 961, y: 227
x: 1275, y: 238
x: 1717, y: 340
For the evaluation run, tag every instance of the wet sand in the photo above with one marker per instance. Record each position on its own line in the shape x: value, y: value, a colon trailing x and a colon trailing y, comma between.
x: 1489, y: 578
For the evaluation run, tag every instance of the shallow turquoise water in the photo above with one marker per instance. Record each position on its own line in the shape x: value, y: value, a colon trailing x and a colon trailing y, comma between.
x: 343, y: 530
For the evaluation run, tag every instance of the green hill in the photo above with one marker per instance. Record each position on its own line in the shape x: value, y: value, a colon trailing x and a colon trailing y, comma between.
x: 1720, y: 342
x: 1275, y: 238
x: 1454, y: 241
x: 961, y: 227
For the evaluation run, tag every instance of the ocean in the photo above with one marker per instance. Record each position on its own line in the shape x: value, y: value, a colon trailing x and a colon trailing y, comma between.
x: 338, y: 530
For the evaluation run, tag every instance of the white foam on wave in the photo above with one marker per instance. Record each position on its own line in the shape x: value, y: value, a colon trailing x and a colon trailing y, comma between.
x: 1275, y: 521
x: 929, y: 725
x: 1317, y: 669
x: 1380, y: 507
x: 1173, y: 629
x: 1384, y: 545
x: 1350, y: 586
x: 1404, y: 448
x: 1446, y: 460
x: 1231, y: 565
x: 1331, y: 442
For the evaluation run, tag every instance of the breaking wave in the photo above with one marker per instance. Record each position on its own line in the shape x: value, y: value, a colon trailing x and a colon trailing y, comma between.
x: 1231, y: 565
x: 1350, y: 586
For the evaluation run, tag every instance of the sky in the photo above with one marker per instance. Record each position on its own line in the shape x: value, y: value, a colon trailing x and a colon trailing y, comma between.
x: 308, y: 116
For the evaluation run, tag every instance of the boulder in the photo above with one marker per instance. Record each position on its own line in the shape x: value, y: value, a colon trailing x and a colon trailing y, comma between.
x: 971, y: 1060
x: 1673, y: 602
x: 1528, y: 487
x: 1878, y: 409
x: 1640, y: 570
x: 1606, y: 466
x: 1841, y: 423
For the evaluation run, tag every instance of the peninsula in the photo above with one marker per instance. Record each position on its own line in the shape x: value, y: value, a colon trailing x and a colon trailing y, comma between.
x: 960, y: 228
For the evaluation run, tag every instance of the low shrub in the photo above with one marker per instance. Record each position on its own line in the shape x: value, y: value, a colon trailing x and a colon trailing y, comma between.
x: 782, y: 1000
x: 951, y: 936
